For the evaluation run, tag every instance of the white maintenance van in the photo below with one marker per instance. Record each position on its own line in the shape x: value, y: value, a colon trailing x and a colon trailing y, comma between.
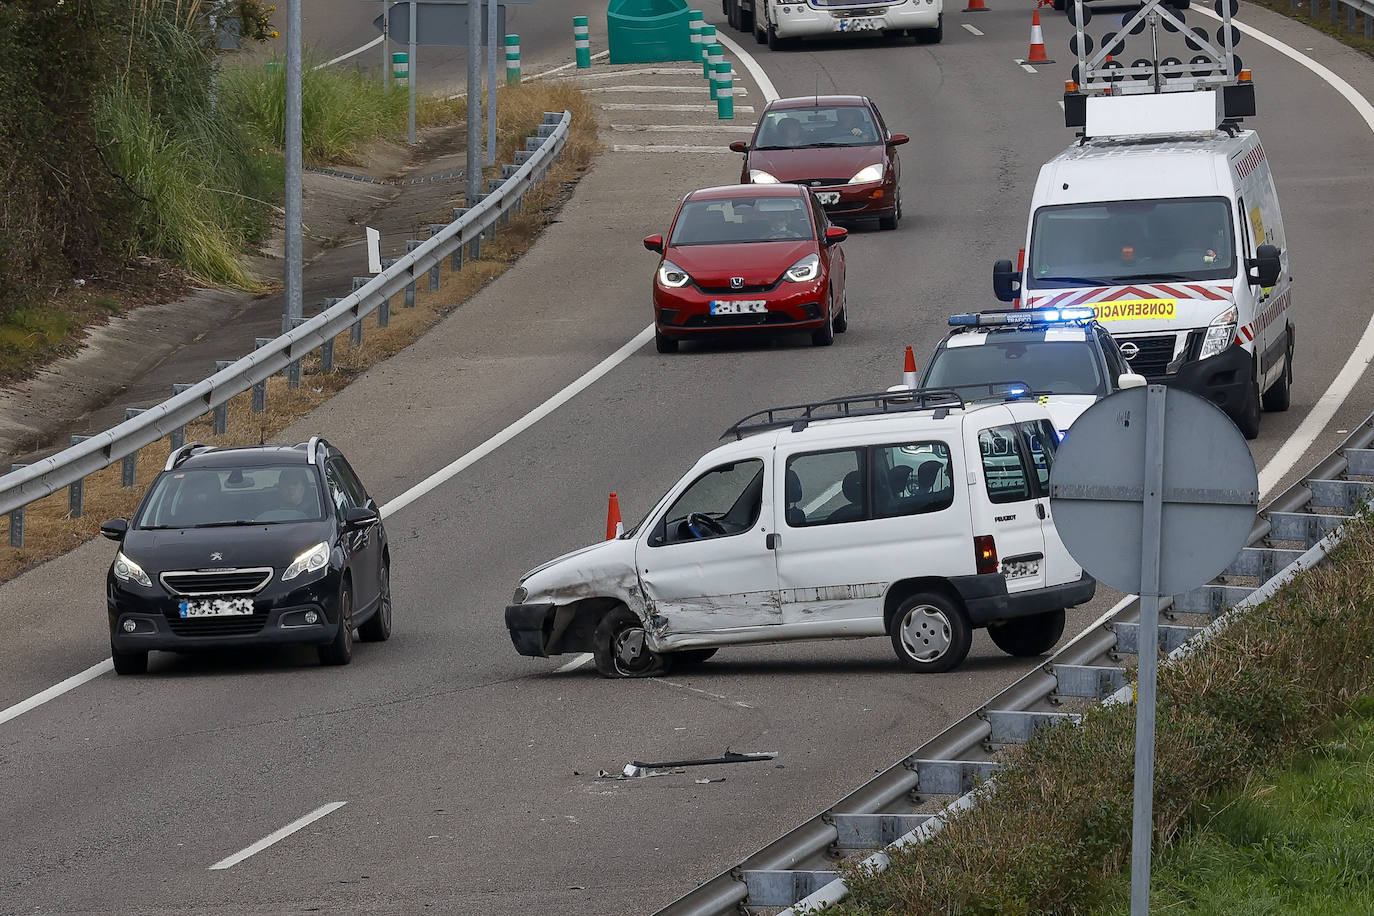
x: 1164, y: 219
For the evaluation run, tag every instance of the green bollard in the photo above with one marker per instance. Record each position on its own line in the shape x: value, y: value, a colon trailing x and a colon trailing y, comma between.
x: 708, y: 38
x: 512, y: 60
x: 694, y: 25
x: 400, y: 68
x: 725, y: 92
x: 582, y: 42
x: 715, y: 54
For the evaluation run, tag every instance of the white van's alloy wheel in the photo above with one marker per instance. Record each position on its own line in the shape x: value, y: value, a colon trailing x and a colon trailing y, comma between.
x: 925, y: 633
x: 930, y: 633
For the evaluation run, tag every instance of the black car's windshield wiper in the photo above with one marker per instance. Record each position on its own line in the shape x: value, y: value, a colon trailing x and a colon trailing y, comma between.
x: 235, y: 523
x: 832, y: 143
x: 777, y: 147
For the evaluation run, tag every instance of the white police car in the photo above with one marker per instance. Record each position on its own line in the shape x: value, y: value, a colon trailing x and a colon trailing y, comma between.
x: 918, y: 516
x: 1065, y: 357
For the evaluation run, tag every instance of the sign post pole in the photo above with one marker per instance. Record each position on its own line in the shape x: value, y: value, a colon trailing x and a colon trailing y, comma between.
x: 474, y: 105
x: 492, y: 15
x: 412, y: 73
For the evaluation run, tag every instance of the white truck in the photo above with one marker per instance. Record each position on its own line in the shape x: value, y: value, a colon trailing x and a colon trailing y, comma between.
x: 1164, y: 219
x: 779, y: 22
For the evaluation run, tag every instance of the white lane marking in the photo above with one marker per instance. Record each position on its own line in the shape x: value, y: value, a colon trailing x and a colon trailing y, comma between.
x: 1027, y: 67
x: 356, y: 51
x: 632, y: 106
x: 765, y: 84
x: 56, y: 690
x: 583, y: 382
x: 543, y: 73
x: 680, y: 90
x: 276, y: 836
x: 655, y: 148
x: 1344, y: 382
x: 1061, y: 104
x: 684, y: 128
x: 971, y: 30
x: 576, y: 663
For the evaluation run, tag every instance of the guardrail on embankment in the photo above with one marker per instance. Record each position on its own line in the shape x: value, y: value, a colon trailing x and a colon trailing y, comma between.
x: 904, y: 805
x: 88, y: 454
x: 1352, y: 7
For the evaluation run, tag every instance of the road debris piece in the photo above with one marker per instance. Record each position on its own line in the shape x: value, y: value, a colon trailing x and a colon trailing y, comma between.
x: 640, y: 768
x: 704, y: 781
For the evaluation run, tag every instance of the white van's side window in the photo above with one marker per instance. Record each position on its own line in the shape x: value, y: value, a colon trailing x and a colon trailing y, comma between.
x: 824, y: 488
x: 1040, y: 442
x: 1004, y: 472
x: 911, y: 479
x: 724, y: 501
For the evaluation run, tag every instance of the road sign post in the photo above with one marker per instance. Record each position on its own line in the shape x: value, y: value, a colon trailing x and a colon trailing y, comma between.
x: 1154, y: 493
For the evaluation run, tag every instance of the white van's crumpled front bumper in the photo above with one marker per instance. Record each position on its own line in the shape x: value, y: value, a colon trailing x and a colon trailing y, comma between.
x: 801, y: 20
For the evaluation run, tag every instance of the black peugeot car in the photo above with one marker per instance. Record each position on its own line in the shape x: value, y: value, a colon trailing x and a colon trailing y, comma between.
x: 262, y: 545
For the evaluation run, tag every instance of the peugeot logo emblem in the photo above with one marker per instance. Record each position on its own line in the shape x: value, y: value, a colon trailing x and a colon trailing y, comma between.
x: 1130, y: 350
x: 736, y: 282
x: 216, y: 556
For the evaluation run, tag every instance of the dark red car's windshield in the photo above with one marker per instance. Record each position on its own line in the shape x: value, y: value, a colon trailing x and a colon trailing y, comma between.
x: 742, y: 219
x: 799, y: 128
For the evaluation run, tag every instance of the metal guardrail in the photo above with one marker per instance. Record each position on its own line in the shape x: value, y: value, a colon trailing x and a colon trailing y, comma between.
x: 1352, y: 7
x: 88, y: 454
x: 799, y: 871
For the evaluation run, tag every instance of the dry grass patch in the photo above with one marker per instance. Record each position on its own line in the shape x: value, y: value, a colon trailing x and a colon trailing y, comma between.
x: 50, y: 530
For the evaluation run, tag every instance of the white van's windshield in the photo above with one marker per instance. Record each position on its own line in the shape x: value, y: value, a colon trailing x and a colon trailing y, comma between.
x: 1132, y: 241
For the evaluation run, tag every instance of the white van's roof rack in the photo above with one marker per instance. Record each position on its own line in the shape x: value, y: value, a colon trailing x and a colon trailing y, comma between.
x: 1108, y: 98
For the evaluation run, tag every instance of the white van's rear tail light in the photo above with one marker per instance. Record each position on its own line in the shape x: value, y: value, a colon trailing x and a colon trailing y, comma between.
x: 985, y: 554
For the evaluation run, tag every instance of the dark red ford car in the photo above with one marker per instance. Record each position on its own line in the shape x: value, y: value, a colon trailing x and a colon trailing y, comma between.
x: 837, y: 145
x: 749, y: 257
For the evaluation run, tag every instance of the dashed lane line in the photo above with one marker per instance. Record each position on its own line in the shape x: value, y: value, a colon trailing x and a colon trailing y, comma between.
x: 632, y: 106
x: 649, y: 90
x: 276, y: 836
x: 971, y: 30
x: 683, y: 128
x: 664, y: 148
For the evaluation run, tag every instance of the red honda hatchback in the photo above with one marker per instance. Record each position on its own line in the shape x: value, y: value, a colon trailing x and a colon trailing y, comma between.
x: 749, y: 257
x: 838, y: 145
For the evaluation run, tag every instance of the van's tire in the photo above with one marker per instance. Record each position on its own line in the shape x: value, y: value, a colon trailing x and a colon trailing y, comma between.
x: 1249, y: 420
x: 613, y: 647
x: 930, y: 36
x: 378, y: 626
x: 689, y: 658
x: 746, y: 20
x: 664, y: 344
x: 1060, y: 5
x: 774, y: 42
x: 930, y: 633
x: 760, y: 34
x: 339, y: 651
x: 129, y: 662
x: 1027, y: 636
x: 1280, y: 394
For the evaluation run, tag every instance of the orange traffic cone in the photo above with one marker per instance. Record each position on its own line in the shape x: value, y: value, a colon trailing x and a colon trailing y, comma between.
x: 614, y: 526
x: 1037, y: 53
x: 909, y: 369
x: 976, y: 6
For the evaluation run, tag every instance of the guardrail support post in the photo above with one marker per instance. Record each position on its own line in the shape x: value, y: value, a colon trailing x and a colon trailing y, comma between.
x: 436, y: 271
x: 76, y: 491
x: 219, y: 417
x: 293, y: 368
x: 17, y: 517
x: 582, y: 42
x: 178, y: 436
x: 410, y: 287
x: 384, y: 310
x: 475, y: 246
x: 260, y: 389
x: 355, y: 330
x: 327, y: 348
x: 128, y: 465
x: 455, y: 260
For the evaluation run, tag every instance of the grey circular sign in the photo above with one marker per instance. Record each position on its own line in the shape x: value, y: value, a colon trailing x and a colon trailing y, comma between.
x: 1209, y: 496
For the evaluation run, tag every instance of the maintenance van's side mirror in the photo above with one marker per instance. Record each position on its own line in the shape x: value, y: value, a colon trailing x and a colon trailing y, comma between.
x: 1265, y: 267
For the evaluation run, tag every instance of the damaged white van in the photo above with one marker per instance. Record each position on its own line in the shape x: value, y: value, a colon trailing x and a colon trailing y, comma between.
x: 911, y: 515
x: 1165, y: 221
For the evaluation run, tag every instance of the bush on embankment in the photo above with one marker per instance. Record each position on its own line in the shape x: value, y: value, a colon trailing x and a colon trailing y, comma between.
x: 1058, y: 826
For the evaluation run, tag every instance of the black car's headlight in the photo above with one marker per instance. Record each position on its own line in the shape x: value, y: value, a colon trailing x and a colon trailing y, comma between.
x: 316, y: 557
x: 129, y: 571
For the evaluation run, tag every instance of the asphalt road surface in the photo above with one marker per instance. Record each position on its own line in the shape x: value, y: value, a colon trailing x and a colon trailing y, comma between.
x: 468, y: 775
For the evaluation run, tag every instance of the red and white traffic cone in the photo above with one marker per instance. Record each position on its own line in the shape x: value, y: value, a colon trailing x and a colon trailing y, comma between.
x: 1037, y: 53
x: 614, y: 526
x: 976, y: 6
x: 909, y: 369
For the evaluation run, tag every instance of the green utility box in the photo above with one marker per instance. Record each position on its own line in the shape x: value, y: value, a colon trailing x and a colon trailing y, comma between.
x: 648, y: 31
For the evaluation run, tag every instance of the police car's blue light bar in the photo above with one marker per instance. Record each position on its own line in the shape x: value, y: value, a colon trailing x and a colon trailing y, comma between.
x: 1021, y: 316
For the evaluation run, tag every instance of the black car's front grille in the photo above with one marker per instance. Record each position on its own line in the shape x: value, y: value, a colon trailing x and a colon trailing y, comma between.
x: 825, y: 182
x: 1153, y: 356
x: 244, y: 625
x: 217, y: 582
